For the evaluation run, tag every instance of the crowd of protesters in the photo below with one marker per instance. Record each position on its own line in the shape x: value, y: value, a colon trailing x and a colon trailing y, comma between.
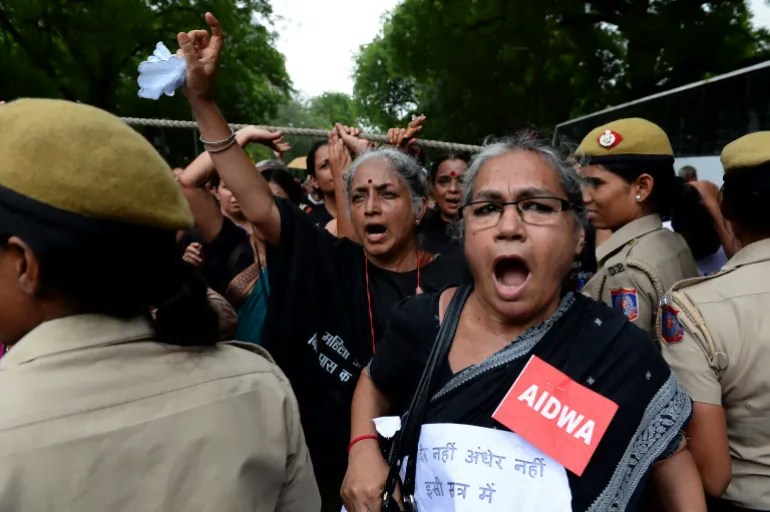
x: 589, y: 325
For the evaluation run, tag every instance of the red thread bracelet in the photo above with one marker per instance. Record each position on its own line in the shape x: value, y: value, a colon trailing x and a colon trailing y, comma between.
x: 361, y: 438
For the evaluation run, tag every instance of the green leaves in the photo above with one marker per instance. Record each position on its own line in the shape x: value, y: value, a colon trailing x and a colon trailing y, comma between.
x: 317, y: 112
x: 383, y: 96
x: 89, y: 51
x: 334, y: 107
x: 497, y: 66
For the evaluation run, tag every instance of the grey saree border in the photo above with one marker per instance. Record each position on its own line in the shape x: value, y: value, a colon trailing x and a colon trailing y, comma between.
x: 516, y: 349
x: 662, y: 421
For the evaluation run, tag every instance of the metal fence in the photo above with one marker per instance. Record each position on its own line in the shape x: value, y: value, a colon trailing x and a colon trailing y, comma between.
x: 699, y: 118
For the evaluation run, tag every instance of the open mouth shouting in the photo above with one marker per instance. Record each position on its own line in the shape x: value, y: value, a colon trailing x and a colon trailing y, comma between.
x: 511, y: 275
x: 452, y: 203
x: 375, y: 233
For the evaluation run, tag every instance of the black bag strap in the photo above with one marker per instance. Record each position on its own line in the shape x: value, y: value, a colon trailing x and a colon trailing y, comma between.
x: 237, y: 252
x: 408, y: 437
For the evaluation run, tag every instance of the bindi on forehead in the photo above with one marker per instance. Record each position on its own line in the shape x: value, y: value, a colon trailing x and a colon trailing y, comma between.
x: 452, y: 174
x: 375, y: 175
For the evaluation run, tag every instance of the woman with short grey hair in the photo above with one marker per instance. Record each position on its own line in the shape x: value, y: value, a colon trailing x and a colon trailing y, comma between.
x: 515, y: 390
x: 554, y: 155
x: 408, y: 169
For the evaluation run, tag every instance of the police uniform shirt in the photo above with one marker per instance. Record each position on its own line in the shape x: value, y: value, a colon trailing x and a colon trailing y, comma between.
x: 95, y: 416
x: 715, y: 334
x: 637, y: 264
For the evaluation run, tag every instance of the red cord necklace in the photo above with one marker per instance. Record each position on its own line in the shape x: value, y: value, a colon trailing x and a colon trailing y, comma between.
x: 369, y: 295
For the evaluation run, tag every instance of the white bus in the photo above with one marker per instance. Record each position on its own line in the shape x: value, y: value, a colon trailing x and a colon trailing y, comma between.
x: 699, y: 118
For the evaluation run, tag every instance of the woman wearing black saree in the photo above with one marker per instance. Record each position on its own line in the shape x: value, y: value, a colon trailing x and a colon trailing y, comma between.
x: 446, y: 182
x: 330, y: 297
x: 523, y: 216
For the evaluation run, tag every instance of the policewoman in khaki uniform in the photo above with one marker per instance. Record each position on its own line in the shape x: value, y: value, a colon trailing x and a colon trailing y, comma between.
x: 629, y: 184
x: 715, y: 334
x: 103, y: 405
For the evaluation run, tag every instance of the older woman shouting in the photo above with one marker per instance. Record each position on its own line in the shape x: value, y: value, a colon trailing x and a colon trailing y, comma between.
x: 518, y: 392
x: 330, y: 298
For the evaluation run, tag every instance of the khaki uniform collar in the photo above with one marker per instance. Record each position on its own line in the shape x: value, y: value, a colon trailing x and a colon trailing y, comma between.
x: 752, y: 253
x: 73, y: 333
x: 631, y: 231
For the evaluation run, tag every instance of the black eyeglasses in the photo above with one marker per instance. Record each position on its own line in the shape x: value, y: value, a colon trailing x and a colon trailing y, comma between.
x: 538, y: 211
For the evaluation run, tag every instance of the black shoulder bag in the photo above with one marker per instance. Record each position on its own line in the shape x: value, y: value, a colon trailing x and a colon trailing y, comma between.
x: 408, y: 437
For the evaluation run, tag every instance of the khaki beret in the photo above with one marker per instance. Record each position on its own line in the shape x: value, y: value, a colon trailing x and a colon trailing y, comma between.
x: 748, y: 151
x: 632, y: 139
x: 83, y: 160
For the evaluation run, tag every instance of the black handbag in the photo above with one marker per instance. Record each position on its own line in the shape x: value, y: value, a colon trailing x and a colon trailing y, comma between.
x: 407, y: 439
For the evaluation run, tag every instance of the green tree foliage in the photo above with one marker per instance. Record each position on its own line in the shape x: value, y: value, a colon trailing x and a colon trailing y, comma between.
x: 496, y: 66
x: 334, y: 107
x: 667, y: 43
x: 318, y: 112
x: 89, y: 51
x: 383, y: 96
x: 295, y: 112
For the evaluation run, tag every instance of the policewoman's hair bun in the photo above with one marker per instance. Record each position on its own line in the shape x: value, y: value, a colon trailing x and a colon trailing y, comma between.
x: 183, y: 314
x: 746, y: 198
x: 126, y: 273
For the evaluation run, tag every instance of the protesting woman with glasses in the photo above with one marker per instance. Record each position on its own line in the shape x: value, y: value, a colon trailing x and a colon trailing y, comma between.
x: 630, y: 185
x: 578, y: 367
x: 329, y: 297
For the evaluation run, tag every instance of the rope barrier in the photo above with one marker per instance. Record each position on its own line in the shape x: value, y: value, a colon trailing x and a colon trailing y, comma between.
x: 307, y: 132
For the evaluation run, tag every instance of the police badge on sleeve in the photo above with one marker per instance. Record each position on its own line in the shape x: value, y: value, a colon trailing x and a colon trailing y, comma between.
x: 625, y: 301
x: 670, y: 329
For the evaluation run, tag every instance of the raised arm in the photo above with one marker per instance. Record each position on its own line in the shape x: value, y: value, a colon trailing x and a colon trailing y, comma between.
x: 339, y: 164
x: 201, y: 51
x: 205, y: 210
x: 403, y: 138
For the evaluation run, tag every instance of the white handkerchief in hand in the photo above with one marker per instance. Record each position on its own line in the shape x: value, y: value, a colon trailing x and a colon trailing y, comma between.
x: 387, y: 426
x: 161, y: 73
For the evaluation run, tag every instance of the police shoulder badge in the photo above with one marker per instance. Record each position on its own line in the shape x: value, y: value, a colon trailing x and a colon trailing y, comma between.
x: 609, y: 139
x: 670, y: 329
x: 625, y: 301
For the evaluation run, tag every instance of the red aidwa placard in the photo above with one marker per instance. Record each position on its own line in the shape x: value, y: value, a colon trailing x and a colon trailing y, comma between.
x: 562, y: 418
